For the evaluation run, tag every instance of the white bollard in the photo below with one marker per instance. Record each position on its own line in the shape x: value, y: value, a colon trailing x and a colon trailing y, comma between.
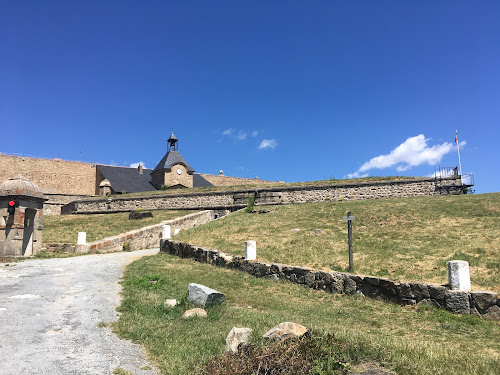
x: 458, y: 275
x: 165, y: 233
x: 250, y: 250
x: 82, y: 238
x: 176, y: 231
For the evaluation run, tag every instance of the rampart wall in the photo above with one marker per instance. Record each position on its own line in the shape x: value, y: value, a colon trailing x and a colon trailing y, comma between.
x: 221, y: 180
x: 51, y: 175
x: 272, y: 195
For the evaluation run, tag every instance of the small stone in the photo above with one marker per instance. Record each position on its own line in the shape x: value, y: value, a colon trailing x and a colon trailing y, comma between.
x: 202, y: 295
x: 138, y: 215
x: 200, y: 313
x: 349, y: 285
x: 170, y: 303
x: 457, y: 302
x: 318, y: 231
x: 237, y: 337
x: 295, y: 229
x: 493, y: 313
x: 285, y: 330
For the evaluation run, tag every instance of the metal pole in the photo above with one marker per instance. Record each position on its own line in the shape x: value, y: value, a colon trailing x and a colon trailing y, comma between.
x: 349, y: 236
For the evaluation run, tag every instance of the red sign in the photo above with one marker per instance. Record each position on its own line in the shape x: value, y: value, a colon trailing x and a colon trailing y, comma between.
x: 12, y: 203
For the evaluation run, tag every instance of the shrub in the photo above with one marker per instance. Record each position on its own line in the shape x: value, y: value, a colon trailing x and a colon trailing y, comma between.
x: 126, y: 246
x: 164, y: 187
x: 251, y: 204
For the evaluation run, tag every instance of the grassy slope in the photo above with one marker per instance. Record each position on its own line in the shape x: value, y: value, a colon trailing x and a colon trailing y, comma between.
x: 403, y: 239
x: 65, y: 228
x: 413, y: 341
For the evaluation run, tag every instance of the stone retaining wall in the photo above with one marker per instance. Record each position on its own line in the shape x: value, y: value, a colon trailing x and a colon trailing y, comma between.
x: 276, y: 195
x: 54, y: 203
x: 144, y: 238
x: 485, y: 304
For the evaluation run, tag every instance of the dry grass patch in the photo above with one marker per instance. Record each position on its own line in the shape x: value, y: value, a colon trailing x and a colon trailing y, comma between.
x: 65, y: 228
x: 409, y: 340
x: 404, y: 239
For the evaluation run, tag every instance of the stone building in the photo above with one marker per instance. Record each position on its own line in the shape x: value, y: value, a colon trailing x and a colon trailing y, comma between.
x: 21, y: 218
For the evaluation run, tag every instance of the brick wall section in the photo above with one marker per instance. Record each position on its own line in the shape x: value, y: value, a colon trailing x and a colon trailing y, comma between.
x: 220, y: 180
x: 144, y: 238
x: 485, y: 304
x: 51, y: 175
x: 267, y: 195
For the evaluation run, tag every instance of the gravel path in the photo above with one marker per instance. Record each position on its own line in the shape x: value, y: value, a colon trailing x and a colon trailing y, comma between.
x: 50, y: 310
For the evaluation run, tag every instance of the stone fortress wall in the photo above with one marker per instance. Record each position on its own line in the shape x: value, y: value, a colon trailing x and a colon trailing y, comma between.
x: 54, y: 176
x: 271, y: 195
x: 222, y: 180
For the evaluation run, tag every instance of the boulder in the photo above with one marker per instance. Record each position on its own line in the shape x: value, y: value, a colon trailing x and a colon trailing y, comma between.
x: 202, y: 295
x: 237, y: 337
x: 349, y: 285
x: 493, y: 313
x: 483, y: 300
x: 285, y: 330
x: 457, y: 302
x: 170, y: 303
x: 197, y: 312
x: 137, y: 215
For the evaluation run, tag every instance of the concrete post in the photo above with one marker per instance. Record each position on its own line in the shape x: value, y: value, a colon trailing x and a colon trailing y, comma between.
x: 82, y: 238
x: 165, y: 233
x: 250, y: 250
x: 458, y: 275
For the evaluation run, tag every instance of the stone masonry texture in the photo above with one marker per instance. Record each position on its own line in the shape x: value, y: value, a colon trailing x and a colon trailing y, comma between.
x: 280, y: 195
x: 479, y: 303
x: 51, y: 175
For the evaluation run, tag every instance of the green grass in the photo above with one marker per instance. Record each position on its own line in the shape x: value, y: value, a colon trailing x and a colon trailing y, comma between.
x: 406, y: 239
x: 412, y: 341
x: 65, y: 228
x: 261, y: 185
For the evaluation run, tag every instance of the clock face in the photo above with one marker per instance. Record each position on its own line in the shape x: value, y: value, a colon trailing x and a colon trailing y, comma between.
x: 179, y: 171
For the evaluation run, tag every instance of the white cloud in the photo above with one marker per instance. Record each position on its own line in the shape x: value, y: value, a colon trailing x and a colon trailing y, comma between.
x: 241, y: 136
x: 135, y: 165
x: 411, y: 153
x: 268, y: 143
x: 255, y: 133
x: 227, y: 131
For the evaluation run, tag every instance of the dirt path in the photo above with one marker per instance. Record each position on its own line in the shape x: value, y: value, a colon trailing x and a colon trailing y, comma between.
x: 52, y: 313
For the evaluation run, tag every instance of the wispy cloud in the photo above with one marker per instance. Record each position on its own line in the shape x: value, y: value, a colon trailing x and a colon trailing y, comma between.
x: 241, y: 136
x: 268, y: 143
x: 255, y: 133
x: 228, y: 131
x: 411, y: 153
x: 136, y: 165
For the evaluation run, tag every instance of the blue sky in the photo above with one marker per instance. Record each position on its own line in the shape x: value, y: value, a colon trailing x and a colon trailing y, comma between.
x: 282, y: 90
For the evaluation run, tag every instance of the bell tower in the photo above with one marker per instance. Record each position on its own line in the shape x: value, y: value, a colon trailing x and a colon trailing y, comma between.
x: 172, y: 142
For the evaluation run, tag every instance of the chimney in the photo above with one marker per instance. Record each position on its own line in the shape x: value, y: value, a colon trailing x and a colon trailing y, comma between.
x: 140, y: 168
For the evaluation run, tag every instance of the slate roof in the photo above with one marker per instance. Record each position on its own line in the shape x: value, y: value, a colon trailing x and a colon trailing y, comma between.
x: 127, y: 179
x: 172, y: 158
x: 200, y: 181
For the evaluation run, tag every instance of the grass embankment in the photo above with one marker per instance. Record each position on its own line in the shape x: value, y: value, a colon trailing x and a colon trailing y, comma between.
x: 407, y: 239
x: 65, y: 228
x: 270, y: 184
x: 411, y: 341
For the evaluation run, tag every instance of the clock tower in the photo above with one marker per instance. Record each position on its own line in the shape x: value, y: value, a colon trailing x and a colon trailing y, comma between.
x: 173, y: 171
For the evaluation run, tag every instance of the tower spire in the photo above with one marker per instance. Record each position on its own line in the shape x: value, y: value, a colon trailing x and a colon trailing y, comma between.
x: 172, y: 141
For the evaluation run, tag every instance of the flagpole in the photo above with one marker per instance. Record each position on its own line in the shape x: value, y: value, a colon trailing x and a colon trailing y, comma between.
x: 458, y: 149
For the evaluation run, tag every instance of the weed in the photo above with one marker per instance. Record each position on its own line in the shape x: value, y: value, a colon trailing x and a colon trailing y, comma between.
x: 102, y: 325
x: 126, y: 246
x: 120, y: 371
x: 164, y: 187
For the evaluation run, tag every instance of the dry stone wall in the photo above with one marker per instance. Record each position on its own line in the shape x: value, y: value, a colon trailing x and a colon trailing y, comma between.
x: 275, y: 195
x: 480, y: 303
x: 54, y: 202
